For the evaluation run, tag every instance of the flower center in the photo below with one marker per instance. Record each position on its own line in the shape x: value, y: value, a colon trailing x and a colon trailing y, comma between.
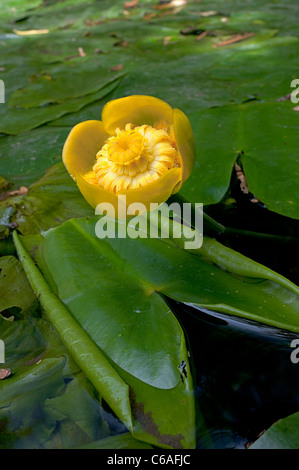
x: 134, y: 157
x: 126, y: 147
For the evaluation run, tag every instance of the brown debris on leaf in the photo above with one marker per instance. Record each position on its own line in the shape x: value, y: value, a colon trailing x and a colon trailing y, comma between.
x: 236, y: 38
x: 4, y: 373
x: 121, y: 43
x: 117, y: 67
x: 131, y: 4
x: 284, y: 98
x: 241, y: 178
x: 170, y: 8
x: 248, y: 444
x: 148, y: 424
x: 167, y: 40
x: 91, y: 22
x: 202, y: 35
x: 148, y: 16
x: 206, y: 14
x: 71, y: 57
x: 17, y: 192
x: 189, y: 30
x: 81, y: 52
x: 35, y: 360
x: 171, y: 4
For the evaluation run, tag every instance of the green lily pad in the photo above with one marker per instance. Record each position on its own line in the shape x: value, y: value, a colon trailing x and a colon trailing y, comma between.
x: 265, y: 135
x: 71, y: 80
x: 25, y: 159
x: 270, y: 136
x: 19, y: 120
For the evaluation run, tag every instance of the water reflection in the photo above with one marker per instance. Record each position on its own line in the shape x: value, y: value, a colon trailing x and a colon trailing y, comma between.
x: 245, y: 379
x: 243, y: 324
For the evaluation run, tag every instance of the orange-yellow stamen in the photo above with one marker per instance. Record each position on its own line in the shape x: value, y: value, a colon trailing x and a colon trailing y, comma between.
x: 134, y: 157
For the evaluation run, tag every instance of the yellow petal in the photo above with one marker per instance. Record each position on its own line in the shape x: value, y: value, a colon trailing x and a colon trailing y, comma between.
x: 94, y: 194
x: 156, y: 192
x: 185, y: 142
x: 80, y: 149
x: 136, y: 109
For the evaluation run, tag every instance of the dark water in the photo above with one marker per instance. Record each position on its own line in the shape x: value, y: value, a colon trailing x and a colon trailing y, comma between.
x: 245, y: 379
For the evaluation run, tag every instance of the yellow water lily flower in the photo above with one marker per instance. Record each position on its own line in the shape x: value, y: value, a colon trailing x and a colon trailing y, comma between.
x: 142, y: 149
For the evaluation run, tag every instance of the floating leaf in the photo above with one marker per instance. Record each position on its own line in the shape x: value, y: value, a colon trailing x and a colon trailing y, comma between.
x: 265, y: 135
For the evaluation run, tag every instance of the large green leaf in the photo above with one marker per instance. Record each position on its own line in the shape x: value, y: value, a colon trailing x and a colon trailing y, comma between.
x: 270, y: 137
x: 18, y: 120
x: 265, y: 135
x: 73, y: 79
x: 142, y: 324
x: 26, y: 158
